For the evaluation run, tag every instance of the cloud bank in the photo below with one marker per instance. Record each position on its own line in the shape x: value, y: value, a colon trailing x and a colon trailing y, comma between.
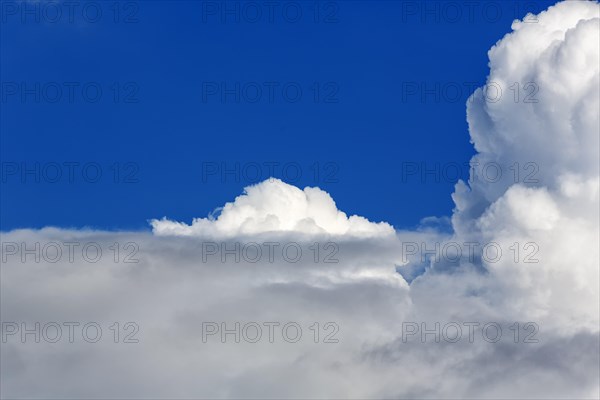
x: 367, y: 305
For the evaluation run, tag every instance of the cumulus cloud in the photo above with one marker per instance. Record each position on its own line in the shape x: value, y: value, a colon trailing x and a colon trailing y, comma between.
x: 553, y: 140
x: 553, y: 124
x: 274, y: 206
x: 278, y: 255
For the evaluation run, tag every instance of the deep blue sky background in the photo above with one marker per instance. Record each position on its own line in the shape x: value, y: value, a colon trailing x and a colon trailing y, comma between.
x: 364, y: 49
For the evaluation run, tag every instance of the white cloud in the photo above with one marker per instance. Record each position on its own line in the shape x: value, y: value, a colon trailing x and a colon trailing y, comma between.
x: 275, y: 206
x: 554, y: 142
x: 182, y: 280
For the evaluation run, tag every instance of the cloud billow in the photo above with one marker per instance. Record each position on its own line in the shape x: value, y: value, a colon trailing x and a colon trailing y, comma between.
x: 282, y: 255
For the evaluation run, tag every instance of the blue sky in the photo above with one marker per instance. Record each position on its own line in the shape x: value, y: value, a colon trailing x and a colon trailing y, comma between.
x: 114, y: 115
x: 160, y: 126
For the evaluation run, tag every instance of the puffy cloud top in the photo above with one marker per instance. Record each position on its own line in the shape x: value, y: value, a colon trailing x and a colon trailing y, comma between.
x: 538, y: 120
x: 545, y: 140
x: 275, y: 206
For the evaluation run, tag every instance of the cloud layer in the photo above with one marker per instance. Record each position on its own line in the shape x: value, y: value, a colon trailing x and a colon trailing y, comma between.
x: 361, y: 293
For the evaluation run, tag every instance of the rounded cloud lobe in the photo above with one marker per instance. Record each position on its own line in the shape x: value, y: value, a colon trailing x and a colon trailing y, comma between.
x: 274, y: 206
x: 174, y: 288
x: 553, y: 139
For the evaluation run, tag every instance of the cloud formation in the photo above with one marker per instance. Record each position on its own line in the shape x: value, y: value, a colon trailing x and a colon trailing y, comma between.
x: 548, y: 151
x: 282, y: 255
x: 275, y: 206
